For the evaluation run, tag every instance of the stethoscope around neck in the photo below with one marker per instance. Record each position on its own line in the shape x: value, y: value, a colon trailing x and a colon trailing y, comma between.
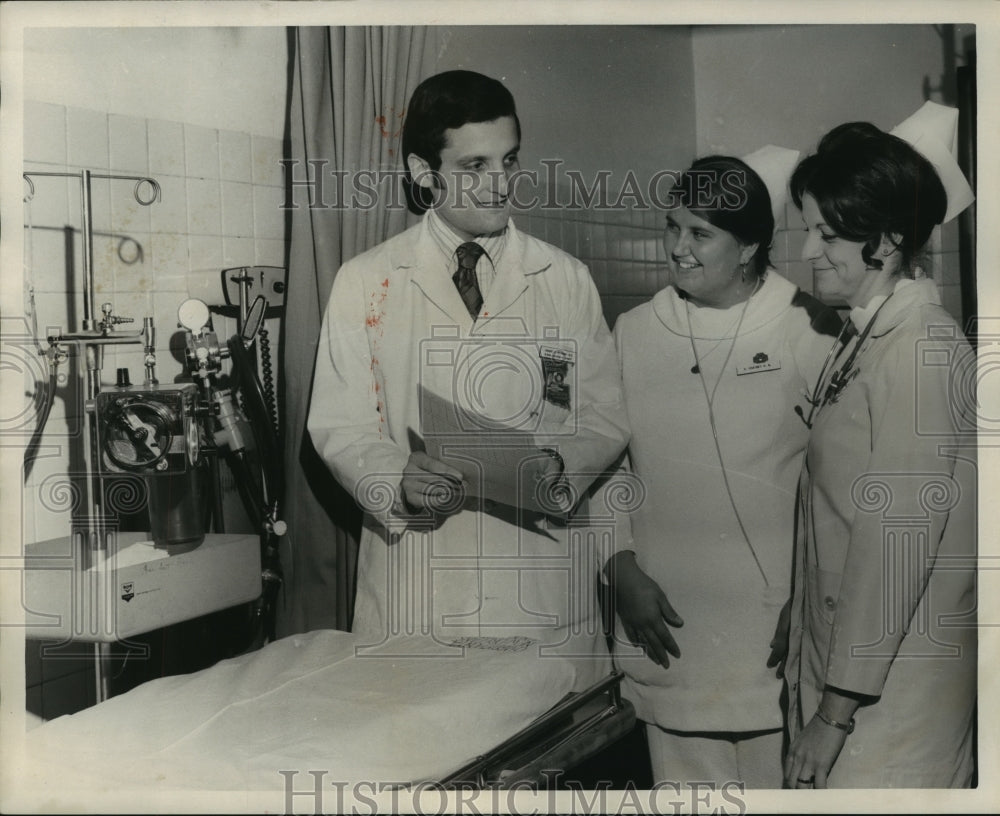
x: 828, y: 390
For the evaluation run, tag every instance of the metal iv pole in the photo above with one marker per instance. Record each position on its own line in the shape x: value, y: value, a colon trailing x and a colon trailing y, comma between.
x: 93, y: 337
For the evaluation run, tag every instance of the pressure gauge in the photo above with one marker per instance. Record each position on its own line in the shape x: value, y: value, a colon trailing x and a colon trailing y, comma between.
x: 192, y: 314
x: 137, y: 433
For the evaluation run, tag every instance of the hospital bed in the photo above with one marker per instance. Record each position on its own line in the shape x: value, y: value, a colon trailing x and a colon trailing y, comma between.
x: 488, y: 712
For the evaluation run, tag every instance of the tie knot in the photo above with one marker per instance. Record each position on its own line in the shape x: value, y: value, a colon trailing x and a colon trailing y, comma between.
x: 469, y: 254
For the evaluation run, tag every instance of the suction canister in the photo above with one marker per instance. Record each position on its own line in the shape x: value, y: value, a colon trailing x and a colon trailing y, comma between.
x: 152, y: 432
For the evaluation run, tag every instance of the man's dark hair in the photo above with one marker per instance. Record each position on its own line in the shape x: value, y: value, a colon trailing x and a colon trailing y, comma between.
x: 443, y: 102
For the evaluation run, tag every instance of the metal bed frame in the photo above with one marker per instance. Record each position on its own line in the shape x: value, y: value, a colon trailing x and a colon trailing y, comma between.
x: 575, y: 729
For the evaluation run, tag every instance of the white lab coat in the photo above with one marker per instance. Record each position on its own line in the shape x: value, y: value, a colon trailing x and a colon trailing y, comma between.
x: 396, y: 320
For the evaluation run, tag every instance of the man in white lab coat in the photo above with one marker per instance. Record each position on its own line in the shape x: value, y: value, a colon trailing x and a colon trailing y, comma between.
x: 467, y: 393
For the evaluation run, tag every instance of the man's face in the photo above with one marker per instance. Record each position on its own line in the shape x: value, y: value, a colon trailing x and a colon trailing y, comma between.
x: 470, y: 187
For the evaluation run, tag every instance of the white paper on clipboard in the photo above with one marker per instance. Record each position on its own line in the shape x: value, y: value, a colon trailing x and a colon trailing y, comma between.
x: 496, y: 462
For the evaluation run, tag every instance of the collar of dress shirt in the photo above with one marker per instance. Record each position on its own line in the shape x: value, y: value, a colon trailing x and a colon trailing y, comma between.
x: 448, y: 241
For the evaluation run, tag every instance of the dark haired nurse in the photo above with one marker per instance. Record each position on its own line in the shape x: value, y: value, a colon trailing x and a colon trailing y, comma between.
x: 882, y: 660
x: 714, y: 367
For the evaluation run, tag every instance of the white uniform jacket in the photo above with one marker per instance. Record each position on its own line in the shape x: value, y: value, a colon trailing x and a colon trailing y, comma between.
x: 687, y: 533
x: 884, y: 601
x: 539, y: 357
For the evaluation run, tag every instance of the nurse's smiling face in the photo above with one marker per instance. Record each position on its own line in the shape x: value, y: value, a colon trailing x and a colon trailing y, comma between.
x: 839, y: 269
x: 705, y: 260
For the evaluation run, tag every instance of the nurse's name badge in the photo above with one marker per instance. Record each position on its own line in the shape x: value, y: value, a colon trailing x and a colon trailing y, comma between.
x: 761, y: 362
x: 555, y: 370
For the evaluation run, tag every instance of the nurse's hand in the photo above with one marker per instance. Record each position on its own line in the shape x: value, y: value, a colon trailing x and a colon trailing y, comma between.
x: 779, y: 643
x: 812, y: 754
x: 430, y: 483
x: 815, y: 749
x: 643, y: 609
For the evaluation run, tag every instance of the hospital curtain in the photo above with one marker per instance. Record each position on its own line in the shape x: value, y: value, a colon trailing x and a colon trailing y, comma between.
x: 348, y: 90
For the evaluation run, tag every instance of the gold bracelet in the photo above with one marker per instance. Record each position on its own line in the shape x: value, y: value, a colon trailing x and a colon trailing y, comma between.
x: 848, y: 727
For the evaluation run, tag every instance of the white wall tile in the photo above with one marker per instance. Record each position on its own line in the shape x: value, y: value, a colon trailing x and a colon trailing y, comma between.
x: 204, y: 206
x: 205, y: 280
x: 166, y: 148
x: 45, y: 259
x: 234, y: 156
x: 169, y: 214
x: 74, y: 200
x: 87, y: 139
x: 237, y: 209
x: 269, y: 252
x: 796, y: 243
x: 201, y: 152
x: 237, y: 251
x: 170, y: 261
x: 44, y: 132
x: 949, y: 236
x: 947, y: 268
x: 127, y: 143
x: 799, y: 273
x: 49, y: 206
x: 205, y: 252
x: 133, y: 264
x: 266, y: 157
x: 268, y: 216
x: 127, y: 214
x: 105, y: 250
x: 53, y: 311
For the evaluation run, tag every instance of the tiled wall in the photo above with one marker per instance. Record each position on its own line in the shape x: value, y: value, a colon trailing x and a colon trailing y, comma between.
x: 622, y: 248
x: 220, y: 208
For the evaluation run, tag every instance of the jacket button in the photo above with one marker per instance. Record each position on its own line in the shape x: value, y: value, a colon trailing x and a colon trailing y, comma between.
x: 830, y: 602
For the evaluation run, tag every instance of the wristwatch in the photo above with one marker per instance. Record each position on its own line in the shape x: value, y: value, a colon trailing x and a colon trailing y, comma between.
x: 847, y: 727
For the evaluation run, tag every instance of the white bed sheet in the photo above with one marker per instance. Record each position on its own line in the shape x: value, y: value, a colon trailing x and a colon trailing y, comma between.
x: 304, y: 703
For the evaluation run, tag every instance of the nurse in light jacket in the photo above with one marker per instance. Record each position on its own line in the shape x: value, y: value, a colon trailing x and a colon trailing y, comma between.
x: 713, y: 368
x: 882, y: 661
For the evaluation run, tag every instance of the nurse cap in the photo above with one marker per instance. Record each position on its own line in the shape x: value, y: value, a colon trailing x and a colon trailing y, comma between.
x: 932, y: 131
x: 775, y: 166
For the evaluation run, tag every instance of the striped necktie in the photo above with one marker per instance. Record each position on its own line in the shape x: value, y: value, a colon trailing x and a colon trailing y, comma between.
x: 465, y: 277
